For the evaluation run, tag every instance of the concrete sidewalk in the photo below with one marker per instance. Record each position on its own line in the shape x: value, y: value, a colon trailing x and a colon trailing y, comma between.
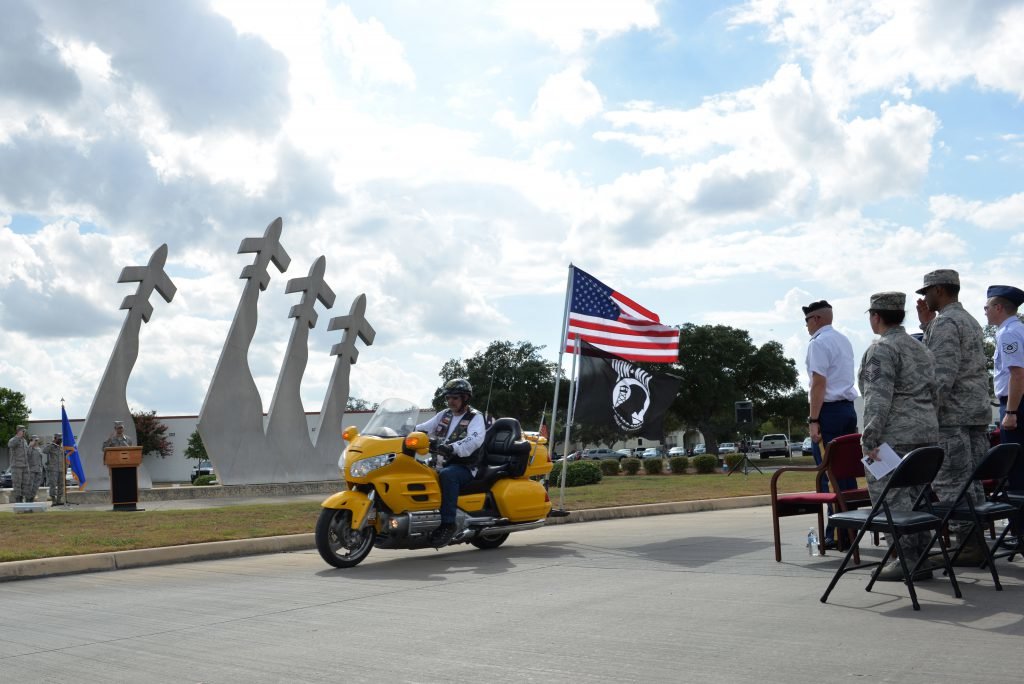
x: 118, y: 560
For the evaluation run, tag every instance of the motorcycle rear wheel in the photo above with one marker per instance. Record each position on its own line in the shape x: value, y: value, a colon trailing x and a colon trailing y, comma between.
x: 490, y: 541
x: 338, y: 543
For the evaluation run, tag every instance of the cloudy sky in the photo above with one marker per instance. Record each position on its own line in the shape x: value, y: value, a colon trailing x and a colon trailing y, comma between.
x: 717, y: 162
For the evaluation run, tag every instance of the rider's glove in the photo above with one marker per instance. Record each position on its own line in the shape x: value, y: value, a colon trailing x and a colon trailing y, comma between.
x: 446, y: 450
x: 433, y: 444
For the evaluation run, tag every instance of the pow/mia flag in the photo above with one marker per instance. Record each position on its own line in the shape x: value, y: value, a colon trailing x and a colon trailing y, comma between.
x: 613, y: 392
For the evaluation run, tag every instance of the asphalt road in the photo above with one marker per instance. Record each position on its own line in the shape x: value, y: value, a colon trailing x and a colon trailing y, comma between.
x: 691, y: 597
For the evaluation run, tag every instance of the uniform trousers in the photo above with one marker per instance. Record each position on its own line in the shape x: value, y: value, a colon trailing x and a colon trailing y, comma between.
x: 902, y: 499
x: 837, y: 418
x: 1016, y: 481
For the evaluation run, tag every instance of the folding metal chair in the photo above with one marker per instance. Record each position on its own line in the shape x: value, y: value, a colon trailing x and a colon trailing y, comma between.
x: 917, y: 469
x: 996, y: 466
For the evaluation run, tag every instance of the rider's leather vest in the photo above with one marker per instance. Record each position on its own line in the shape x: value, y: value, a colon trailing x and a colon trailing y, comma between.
x: 441, y: 431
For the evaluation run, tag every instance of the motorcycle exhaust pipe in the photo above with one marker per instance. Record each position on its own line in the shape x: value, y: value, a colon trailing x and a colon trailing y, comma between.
x: 518, y: 527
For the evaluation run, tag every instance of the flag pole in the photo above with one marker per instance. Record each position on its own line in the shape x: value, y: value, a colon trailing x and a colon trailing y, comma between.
x: 561, y: 352
x: 569, y: 414
x: 543, y: 412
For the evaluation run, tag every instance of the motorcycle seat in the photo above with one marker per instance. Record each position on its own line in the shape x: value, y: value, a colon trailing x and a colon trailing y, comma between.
x: 504, y: 454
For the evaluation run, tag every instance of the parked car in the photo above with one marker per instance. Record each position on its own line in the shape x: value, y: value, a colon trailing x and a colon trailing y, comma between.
x: 6, y: 479
x: 700, y: 449
x: 727, y: 448
x: 805, y: 448
x: 201, y: 468
x: 601, y: 454
x: 69, y: 478
x: 773, y: 445
x: 652, y: 452
x: 626, y: 453
x: 677, y: 451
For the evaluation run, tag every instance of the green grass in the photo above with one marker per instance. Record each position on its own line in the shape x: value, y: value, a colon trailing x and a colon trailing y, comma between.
x: 26, y: 536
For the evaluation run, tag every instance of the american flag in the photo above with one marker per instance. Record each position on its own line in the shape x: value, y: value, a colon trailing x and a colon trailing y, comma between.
x: 615, y: 323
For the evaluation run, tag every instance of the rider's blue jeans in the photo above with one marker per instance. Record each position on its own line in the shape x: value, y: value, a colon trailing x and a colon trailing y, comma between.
x: 452, y: 477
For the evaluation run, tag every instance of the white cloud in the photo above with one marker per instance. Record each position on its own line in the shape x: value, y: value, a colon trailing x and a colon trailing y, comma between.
x: 564, y: 98
x: 858, y: 47
x: 1003, y: 214
x: 569, y: 24
x: 779, y: 144
x: 374, y: 54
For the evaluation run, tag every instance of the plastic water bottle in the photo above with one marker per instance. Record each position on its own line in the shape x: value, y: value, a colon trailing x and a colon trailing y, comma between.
x: 812, y: 542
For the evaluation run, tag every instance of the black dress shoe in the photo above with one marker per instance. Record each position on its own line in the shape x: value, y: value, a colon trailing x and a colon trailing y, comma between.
x: 830, y: 544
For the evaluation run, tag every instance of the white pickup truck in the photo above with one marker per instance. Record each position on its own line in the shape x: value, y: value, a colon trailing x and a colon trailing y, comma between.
x: 773, y: 445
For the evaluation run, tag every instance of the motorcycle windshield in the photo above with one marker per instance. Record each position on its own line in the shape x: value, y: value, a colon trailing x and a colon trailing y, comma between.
x: 394, y: 418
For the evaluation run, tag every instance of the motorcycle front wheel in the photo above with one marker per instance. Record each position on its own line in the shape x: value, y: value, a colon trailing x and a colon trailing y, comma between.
x: 338, y: 543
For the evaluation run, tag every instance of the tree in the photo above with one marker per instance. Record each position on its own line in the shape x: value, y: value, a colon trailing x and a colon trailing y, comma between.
x: 720, y: 365
x: 151, y: 434
x: 357, y: 404
x: 509, y: 379
x: 195, y: 448
x: 13, y: 412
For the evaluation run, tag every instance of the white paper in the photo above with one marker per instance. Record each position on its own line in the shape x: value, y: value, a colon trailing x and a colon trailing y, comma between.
x: 886, y: 462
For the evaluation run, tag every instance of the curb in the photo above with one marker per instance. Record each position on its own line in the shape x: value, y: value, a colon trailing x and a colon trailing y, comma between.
x: 187, y: 553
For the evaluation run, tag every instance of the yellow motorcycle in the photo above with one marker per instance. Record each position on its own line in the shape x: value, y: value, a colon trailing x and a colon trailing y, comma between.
x: 393, y: 496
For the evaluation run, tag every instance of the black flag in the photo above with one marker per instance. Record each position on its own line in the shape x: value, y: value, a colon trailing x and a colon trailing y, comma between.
x: 614, y: 393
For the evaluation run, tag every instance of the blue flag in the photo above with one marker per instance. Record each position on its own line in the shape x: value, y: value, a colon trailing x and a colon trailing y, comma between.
x: 70, y: 450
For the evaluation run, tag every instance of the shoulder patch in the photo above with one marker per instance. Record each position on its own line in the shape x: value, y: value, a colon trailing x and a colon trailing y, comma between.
x: 1011, y: 347
x: 874, y: 370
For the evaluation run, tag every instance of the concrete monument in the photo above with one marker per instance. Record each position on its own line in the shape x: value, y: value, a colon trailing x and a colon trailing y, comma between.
x: 110, y: 402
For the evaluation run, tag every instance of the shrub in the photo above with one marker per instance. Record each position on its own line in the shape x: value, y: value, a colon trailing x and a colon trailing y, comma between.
x: 653, y: 466
x: 579, y: 473
x: 204, y: 480
x: 631, y: 466
x: 732, y: 460
x: 609, y: 466
x: 677, y: 464
x: 705, y: 463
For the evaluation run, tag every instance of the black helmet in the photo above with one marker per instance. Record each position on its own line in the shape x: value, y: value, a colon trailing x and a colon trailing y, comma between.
x: 458, y: 386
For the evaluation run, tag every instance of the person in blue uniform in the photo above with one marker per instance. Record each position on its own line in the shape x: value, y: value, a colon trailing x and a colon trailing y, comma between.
x: 1008, y: 364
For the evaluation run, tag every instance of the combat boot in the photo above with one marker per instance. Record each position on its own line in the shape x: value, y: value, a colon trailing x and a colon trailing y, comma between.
x: 973, y: 554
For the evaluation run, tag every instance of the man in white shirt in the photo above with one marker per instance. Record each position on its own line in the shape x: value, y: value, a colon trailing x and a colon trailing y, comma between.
x: 831, y: 392
x: 457, y: 432
x: 1008, y: 382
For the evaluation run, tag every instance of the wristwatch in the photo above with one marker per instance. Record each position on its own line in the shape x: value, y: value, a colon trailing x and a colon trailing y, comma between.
x: 815, y: 420
x: 1012, y: 413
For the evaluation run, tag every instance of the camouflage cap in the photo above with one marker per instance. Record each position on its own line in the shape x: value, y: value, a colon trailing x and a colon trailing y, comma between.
x: 57, y: 435
x: 888, y: 301
x: 118, y: 423
x: 35, y: 438
x: 20, y: 428
x: 943, y: 276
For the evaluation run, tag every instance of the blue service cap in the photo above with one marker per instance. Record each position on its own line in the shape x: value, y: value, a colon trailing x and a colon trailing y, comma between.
x: 1014, y: 294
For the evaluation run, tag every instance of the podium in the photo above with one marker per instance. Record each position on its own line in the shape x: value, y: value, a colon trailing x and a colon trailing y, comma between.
x: 123, y: 463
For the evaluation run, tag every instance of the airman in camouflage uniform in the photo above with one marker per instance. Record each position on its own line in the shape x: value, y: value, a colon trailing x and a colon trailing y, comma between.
x: 20, y: 476
x: 897, y: 381
x: 957, y: 342
x: 117, y: 437
x: 54, y: 452
x: 35, y: 467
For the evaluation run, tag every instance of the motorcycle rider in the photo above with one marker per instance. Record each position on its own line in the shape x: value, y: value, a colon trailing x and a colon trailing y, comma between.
x: 459, y: 432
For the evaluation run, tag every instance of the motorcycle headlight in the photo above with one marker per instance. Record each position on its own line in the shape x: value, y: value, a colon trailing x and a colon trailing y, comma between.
x: 365, y: 466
